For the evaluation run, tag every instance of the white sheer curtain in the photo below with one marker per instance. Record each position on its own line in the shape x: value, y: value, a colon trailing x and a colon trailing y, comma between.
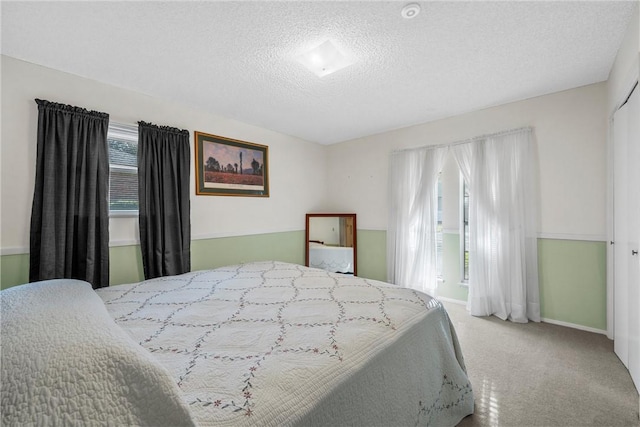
x: 501, y: 172
x: 411, y: 234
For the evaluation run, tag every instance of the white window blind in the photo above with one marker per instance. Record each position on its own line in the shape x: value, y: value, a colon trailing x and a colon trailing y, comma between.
x: 123, y: 169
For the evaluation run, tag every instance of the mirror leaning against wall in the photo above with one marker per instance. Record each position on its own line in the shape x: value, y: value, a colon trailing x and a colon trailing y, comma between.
x: 330, y: 242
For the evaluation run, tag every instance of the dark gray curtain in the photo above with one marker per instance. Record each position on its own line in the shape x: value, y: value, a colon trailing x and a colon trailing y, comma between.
x: 70, y: 213
x: 163, y: 186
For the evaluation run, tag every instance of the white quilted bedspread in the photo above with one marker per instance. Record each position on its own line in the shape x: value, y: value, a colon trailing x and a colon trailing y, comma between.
x: 65, y: 362
x: 272, y: 343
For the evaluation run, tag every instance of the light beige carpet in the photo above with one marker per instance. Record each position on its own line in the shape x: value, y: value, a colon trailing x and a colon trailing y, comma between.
x: 539, y: 374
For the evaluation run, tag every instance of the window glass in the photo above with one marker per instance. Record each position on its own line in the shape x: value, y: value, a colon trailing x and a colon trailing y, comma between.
x: 464, y: 230
x: 439, y: 231
x: 123, y: 169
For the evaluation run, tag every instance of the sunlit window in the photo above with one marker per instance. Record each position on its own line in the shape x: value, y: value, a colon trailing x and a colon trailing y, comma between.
x: 439, y: 231
x: 464, y: 230
x: 123, y: 169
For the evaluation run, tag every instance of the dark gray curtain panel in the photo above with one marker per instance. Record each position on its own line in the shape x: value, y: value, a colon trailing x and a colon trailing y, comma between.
x: 163, y: 188
x: 70, y: 212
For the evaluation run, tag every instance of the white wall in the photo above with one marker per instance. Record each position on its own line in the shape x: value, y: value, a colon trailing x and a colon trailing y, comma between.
x: 296, y: 166
x: 570, y: 129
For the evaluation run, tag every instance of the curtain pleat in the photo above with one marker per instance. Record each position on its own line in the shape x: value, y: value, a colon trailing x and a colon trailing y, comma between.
x: 69, y: 235
x: 411, y: 239
x: 501, y: 172
x: 164, y: 218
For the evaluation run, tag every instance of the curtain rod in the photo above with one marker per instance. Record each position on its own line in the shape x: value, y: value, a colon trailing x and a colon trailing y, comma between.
x: 465, y: 141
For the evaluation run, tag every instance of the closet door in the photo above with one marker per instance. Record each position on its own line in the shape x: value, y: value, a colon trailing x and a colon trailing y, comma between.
x: 626, y: 204
x: 633, y: 144
x: 621, y: 234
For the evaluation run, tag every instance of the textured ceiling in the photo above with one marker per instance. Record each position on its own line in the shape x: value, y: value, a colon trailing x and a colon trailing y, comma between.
x: 237, y: 58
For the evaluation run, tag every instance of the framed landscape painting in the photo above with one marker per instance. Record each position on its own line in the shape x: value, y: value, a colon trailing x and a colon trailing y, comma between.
x: 229, y: 167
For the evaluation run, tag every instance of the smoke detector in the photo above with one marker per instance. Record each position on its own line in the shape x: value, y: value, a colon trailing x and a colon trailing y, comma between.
x: 410, y: 11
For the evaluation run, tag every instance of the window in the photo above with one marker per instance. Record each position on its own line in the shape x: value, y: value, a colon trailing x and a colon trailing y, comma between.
x: 464, y: 230
x: 123, y: 169
x: 457, y: 203
x: 439, y: 230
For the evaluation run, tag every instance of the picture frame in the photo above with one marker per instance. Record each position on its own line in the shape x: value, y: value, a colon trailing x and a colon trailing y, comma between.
x: 230, y: 167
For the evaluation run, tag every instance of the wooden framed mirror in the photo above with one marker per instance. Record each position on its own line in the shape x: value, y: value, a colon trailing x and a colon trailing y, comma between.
x: 330, y: 242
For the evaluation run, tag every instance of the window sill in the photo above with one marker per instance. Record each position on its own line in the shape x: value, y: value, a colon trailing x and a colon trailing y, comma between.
x: 123, y: 214
x: 464, y: 284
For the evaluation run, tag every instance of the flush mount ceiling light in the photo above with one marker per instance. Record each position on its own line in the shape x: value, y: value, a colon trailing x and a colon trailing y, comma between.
x: 410, y: 11
x: 324, y: 59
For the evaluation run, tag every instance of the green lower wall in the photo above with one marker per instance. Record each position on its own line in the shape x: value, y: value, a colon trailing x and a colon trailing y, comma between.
x: 451, y: 286
x: 572, y: 277
x: 213, y: 253
x: 572, y: 273
x: 372, y: 254
x: 125, y: 262
x: 573, y: 281
x: 14, y: 270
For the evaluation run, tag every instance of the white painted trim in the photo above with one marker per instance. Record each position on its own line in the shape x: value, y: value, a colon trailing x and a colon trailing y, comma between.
x: 25, y: 251
x: 577, y: 237
x: 372, y: 228
x: 134, y: 242
x: 452, y: 301
x: 541, y: 235
x: 241, y: 234
x: 550, y: 236
x: 14, y: 251
x: 123, y: 214
x: 574, y: 326
x: 128, y: 242
x: 208, y: 236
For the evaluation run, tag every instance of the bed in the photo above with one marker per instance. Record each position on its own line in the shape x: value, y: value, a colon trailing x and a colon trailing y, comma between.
x: 338, y: 259
x: 265, y: 343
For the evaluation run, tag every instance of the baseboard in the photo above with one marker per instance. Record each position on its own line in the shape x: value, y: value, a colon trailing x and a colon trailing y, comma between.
x: 544, y: 319
x: 451, y: 300
x: 578, y: 237
x: 574, y: 326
